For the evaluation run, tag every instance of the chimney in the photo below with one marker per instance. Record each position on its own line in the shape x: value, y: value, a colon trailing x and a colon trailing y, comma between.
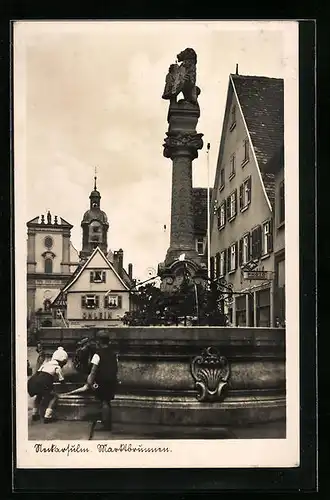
x: 118, y: 257
x: 236, y: 69
x: 130, y: 271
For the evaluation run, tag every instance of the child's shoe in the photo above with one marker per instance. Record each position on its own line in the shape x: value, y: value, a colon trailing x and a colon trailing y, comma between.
x: 49, y: 420
x: 49, y: 416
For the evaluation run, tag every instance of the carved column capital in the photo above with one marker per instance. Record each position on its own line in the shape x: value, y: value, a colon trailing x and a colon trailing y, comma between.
x: 182, y: 144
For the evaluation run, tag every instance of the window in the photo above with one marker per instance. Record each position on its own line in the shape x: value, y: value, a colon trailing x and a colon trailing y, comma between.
x: 232, y: 257
x: 256, y: 243
x: 48, y: 266
x: 267, y: 242
x: 222, y: 179
x: 90, y: 301
x: 97, y: 276
x: 263, y: 308
x: 84, y: 315
x: 246, y: 152
x: 240, y: 304
x: 233, y: 117
x: 48, y: 242
x: 96, y: 229
x: 112, y: 301
x: 244, y: 249
x: 223, y: 263
x: 281, y: 204
x: 222, y: 215
x: 245, y: 194
x: 217, y: 265
x: 200, y: 246
x: 232, y: 205
x: 232, y: 166
x: 47, y: 304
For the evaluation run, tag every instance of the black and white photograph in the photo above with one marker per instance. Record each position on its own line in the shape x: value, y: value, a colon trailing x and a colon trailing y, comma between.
x: 157, y: 243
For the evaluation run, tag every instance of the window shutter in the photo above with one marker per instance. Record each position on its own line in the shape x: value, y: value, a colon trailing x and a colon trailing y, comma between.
x: 228, y: 259
x: 254, y: 249
x: 241, y: 204
x: 249, y: 188
x: 91, y: 276
x: 228, y: 207
x: 219, y: 217
x: 258, y: 242
x: 217, y: 266
x: 105, y: 302
x: 225, y: 210
x: 235, y: 204
x: 119, y: 301
x: 212, y: 268
x: 249, y: 256
x: 236, y: 254
x: 103, y: 276
x: 224, y: 262
x: 270, y: 236
x: 97, y: 301
x: 83, y: 300
x: 240, y: 251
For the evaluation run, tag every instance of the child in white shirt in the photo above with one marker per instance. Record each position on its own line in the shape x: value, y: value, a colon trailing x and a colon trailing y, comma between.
x: 41, y: 384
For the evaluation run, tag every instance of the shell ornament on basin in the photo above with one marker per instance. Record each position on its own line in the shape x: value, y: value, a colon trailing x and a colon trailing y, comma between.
x: 211, y: 373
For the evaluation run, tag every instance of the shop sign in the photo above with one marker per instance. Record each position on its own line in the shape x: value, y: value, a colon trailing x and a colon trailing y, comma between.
x: 259, y: 275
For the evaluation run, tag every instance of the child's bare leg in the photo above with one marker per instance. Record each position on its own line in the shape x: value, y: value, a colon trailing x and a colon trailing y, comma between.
x: 36, y: 407
x: 107, y: 415
x: 50, y: 407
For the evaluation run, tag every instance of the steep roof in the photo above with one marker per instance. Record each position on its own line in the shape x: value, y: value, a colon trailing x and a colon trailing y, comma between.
x: 81, y: 268
x: 262, y: 102
x: 200, y: 209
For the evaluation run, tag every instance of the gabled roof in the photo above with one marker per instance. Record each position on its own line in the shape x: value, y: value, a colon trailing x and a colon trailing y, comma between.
x: 262, y: 103
x: 200, y: 209
x: 79, y: 270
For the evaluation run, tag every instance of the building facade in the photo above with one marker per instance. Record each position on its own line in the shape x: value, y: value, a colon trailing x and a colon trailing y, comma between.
x: 243, y: 198
x: 95, y: 296
x: 51, y: 260
x: 276, y: 165
x: 199, y: 202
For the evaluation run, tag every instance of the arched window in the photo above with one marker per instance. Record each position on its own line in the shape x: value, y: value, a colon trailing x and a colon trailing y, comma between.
x: 47, y: 304
x: 48, y: 266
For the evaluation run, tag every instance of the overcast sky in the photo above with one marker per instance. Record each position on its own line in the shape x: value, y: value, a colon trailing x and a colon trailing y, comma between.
x: 93, y: 98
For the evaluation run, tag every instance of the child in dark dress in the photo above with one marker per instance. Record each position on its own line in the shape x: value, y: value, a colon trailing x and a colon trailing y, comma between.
x: 41, y: 384
x: 102, y: 379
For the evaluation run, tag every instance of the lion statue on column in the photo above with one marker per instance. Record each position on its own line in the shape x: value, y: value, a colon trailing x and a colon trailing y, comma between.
x: 182, y: 78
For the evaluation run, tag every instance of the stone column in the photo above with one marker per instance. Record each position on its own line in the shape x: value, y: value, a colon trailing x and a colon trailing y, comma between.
x: 181, y: 145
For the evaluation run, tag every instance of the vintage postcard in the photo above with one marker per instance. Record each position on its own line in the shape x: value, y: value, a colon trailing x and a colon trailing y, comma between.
x: 156, y: 244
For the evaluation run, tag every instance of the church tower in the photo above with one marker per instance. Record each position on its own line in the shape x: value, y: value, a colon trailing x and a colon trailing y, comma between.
x: 94, y: 226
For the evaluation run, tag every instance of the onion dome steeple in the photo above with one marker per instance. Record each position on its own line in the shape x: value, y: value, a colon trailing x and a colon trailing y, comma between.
x: 94, y: 226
